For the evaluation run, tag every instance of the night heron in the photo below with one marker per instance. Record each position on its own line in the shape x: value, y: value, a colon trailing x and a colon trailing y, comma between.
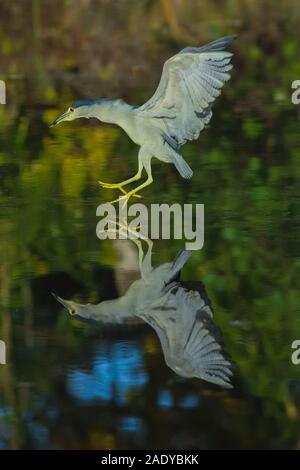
x: 179, y: 312
x: 177, y: 112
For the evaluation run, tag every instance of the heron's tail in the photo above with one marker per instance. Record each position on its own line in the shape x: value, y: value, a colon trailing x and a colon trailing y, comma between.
x: 175, y: 268
x: 180, y: 260
x: 182, y: 166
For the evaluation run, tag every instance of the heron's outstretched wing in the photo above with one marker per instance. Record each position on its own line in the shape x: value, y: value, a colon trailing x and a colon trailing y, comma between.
x: 191, y: 342
x: 203, y: 349
x: 191, y: 80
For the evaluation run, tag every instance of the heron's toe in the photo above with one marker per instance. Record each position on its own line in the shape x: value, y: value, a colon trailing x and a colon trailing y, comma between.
x: 130, y: 192
x: 123, y: 199
x: 107, y: 185
x: 115, y: 200
x: 116, y: 186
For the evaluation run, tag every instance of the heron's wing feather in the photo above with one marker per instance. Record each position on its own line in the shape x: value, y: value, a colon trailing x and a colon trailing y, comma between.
x: 217, y: 45
x: 204, y: 351
x: 190, y: 82
x: 191, y: 342
x: 202, y: 342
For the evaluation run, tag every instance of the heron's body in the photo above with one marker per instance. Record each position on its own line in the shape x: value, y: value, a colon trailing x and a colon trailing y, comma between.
x: 178, y: 111
x: 142, y: 131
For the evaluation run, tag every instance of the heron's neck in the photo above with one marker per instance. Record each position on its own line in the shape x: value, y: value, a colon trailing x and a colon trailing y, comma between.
x: 110, y: 111
x: 112, y: 311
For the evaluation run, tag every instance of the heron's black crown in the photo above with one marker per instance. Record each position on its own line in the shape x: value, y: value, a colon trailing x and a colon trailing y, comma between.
x: 88, y: 102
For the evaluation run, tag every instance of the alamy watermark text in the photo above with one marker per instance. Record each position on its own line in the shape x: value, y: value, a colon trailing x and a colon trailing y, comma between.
x: 160, y: 221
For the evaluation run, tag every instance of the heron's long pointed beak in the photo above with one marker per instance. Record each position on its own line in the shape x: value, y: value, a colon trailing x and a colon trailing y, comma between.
x: 64, y: 302
x: 60, y: 118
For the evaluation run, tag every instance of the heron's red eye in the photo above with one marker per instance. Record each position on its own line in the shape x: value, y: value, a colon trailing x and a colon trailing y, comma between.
x: 72, y: 110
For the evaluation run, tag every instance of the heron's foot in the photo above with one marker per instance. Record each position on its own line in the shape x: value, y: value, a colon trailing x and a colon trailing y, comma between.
x: 110, y: 185
x: 116, y: 186
x: 124, y: 199
x: 121, y: 199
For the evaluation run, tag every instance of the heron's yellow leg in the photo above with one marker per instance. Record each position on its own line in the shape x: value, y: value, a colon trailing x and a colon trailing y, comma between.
x: 133, y: 192
x: 149, y: 244
x: 144, y: 259
x: 115, y: 185
x: 144, y: 162
x: 119, y: 186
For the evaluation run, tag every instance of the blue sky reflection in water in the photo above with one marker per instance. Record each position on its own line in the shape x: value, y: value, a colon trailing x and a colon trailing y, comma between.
x: 116, y: 369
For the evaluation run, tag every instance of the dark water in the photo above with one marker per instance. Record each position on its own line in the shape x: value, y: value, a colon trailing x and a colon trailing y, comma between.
x: 74, y: 385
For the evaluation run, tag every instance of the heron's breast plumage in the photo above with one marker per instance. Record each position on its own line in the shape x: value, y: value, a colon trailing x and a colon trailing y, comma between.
x: 140, y: 130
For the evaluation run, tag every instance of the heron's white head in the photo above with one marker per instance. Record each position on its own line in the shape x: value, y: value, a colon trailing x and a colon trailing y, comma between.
x: 79, y: 109
x: 75, y: 309
x: 107, y: 311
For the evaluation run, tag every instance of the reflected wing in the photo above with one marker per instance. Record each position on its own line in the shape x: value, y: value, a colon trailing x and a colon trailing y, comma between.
x: 204, y: 350
x: 191, y: 80
x: 190, y: 340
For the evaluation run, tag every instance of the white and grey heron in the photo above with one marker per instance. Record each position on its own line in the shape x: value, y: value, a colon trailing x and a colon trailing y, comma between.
x: 178, y: 111
x: 179, y: 312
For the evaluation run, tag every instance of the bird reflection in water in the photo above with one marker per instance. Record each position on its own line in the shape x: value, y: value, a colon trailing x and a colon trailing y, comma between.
x: 179, y: 311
